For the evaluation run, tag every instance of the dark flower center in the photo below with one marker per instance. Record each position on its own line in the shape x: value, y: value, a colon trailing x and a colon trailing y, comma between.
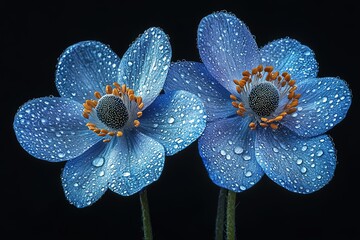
x: 112, y: 112
x: 264, y: 99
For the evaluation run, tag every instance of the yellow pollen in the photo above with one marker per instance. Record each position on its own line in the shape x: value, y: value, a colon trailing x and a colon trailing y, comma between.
x: 121, y: 91
x: 97, y: 95
x: 116, y: 92
x: 282, y: 81
x: 235, y: 104
x: 233, y: 97
x: 246, y: 73
x: 252, y: 125
x: 111, y: 134
x: 136, y: 123
x: 108, y: 89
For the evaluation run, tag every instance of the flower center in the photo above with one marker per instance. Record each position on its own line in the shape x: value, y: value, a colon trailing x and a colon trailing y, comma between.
x: 264, y: 99
x: 112, y: 111
x: 266, y: 96
x: 116, y: 111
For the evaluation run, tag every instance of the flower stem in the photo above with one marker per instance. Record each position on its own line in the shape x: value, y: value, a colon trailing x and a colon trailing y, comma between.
x: 145, y: 215
x: 230, y: 215
x: 220, y: 215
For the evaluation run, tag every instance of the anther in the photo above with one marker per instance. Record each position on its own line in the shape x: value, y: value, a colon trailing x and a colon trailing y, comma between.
x: 246, y: 73
x: 97, y: 95
x: 136, y: 123
x: 108, y: 89
x: 232, y: 97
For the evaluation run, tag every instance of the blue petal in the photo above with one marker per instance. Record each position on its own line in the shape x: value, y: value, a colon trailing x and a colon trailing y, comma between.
x: 86, y: 177
x: 138, y: 160
x: 289, y: 55
x: 53, y: 129
x: 146, y: 63
x: 227, y: 48
x: 175, y: 119
x: 324, y: 102
x: 193, y: 77
x: 84, y: 68
x: 301, y: 165
x: 227, y: 150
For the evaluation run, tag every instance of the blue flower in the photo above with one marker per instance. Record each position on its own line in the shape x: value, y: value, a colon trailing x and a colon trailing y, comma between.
x: 267, y: 111
x: 110, y: 123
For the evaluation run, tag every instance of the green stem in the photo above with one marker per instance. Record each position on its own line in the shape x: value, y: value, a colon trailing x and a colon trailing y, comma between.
x: 230, y: 215
x: 145, y: 215
x: 220, y: 215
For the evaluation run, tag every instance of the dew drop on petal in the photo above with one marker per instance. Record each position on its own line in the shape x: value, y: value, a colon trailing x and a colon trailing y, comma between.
x: 98, y: 162
x: 319, y: 153
x: 171, y: 120
x: 238, y: 150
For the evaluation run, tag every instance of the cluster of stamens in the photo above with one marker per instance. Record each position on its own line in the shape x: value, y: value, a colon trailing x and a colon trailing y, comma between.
x: 126, y: 95
x: 282, y: 82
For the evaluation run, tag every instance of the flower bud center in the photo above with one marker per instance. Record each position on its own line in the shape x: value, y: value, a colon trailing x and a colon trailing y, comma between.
x: 264, y: 99
x: 112, y: 112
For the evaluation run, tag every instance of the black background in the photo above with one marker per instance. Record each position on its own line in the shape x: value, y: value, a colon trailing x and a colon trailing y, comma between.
x: 183, y: 201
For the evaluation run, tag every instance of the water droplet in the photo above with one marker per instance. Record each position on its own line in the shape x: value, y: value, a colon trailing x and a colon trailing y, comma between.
x: 61, y: 155
x: 299, y: 161
x: 275, y: 149
x: 170, y: 120
x: 238, y: 150
x: 319, y: 153
x: 101, y: 173
x: 246, y: 157
x: 303, y: 170
x: 248, y: 174
x: 222, y: 152
x: 98, y: 162
x: 126, y: 174
x: 130, y: 63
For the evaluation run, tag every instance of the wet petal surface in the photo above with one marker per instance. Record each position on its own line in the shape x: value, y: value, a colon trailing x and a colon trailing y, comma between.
x: 145, y: 64
x: 227, y: 150
x: 137, y: 161
x: 175, y: 119
x: 84, y: 68
x: 50, y: 128
x: 226, y: 47
x: 193, y: 77
x: 324, y: 103
x: 85, y: 178
x: 289, y: 55
x: 301, y: 165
